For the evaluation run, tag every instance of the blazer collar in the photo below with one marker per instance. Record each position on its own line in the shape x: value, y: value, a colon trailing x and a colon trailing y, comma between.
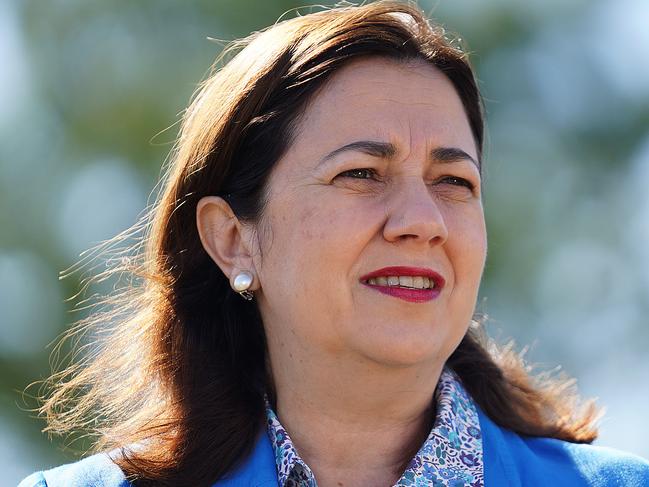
x: 258, y: 470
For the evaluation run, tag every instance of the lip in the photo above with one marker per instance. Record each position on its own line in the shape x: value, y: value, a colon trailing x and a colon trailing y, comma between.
x: 411, y: 295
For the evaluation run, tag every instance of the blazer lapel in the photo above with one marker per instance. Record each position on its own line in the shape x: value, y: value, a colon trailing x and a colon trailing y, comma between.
x: 258, y: 470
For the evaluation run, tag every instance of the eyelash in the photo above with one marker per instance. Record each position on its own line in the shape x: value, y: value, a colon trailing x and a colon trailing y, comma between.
x: 462, y: 182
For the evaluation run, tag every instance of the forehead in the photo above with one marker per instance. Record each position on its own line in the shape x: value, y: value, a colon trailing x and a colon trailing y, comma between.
x: 407, y: 103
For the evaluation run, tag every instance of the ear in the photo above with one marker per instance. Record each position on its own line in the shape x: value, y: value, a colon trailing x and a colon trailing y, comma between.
x: 224, y: 238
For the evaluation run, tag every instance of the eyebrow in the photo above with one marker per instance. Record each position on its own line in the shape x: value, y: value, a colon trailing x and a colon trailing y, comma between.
x: 387, y: 150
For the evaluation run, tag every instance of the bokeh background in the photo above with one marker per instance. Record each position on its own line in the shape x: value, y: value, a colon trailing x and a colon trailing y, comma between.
x: 90, y: 93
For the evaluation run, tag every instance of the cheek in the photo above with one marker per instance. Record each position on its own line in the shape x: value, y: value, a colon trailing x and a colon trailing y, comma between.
x: 307, y: 260
x: 313, y: 226
x: 467, y: 244
x: 327, y: 226
x: 301, y: 236
x: 315, y: 246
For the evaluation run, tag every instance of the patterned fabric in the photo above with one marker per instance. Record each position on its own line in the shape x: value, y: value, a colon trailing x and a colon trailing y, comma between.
x: 291, y: 469
x: 451, y: 455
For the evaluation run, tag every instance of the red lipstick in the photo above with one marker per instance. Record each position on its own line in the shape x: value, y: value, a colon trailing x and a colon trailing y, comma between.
x: 408, y: 294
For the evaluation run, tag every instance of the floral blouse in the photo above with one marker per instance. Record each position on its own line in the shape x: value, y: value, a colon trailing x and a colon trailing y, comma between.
x: 450, y: 456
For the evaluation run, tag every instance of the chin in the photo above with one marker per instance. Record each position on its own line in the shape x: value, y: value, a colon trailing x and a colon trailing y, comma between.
x: 404, y: 352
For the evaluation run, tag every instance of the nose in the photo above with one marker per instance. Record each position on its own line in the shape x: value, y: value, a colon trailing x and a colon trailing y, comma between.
x: 413, y: 214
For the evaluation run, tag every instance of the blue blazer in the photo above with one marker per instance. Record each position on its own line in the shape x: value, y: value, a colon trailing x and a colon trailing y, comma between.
x: 510, y: 460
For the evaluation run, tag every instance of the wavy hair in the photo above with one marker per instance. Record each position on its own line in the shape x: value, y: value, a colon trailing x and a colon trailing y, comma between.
x: 171, y: 373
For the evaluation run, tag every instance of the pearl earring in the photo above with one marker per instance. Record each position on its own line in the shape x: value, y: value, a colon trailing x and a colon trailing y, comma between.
x: 242, y: 281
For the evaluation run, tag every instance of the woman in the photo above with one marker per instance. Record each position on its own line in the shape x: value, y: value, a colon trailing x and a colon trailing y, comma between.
x: 309, y: 282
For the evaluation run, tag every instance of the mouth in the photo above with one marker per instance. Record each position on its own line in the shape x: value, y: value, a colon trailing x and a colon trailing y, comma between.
x: 413, y: 284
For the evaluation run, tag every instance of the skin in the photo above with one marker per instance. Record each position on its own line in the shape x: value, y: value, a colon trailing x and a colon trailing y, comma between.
x: 355, y: 369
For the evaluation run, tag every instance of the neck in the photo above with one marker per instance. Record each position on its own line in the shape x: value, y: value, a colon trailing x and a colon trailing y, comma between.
x: 357, y: 424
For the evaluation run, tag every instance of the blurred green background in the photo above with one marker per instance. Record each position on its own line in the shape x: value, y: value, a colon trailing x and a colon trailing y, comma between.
x: 89, y: 87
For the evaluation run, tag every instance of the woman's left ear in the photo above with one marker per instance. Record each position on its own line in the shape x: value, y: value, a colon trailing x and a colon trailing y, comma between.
x: 226, y: 240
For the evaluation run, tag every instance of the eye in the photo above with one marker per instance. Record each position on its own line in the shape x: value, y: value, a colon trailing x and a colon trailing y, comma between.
x: 457, y: 181
x: 363, y: 173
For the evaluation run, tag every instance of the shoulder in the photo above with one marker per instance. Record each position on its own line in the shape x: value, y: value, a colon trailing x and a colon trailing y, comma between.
x: 595, y: 465
x: 519, y: 460
x: 257, y: 470
x: 606, y: 466
x: 97, y: 471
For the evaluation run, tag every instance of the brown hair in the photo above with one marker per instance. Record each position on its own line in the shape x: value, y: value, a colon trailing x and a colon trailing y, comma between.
x: 176, y: 365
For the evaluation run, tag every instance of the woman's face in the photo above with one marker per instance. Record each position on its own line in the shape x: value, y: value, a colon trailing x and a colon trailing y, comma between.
x: 411, y: 199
